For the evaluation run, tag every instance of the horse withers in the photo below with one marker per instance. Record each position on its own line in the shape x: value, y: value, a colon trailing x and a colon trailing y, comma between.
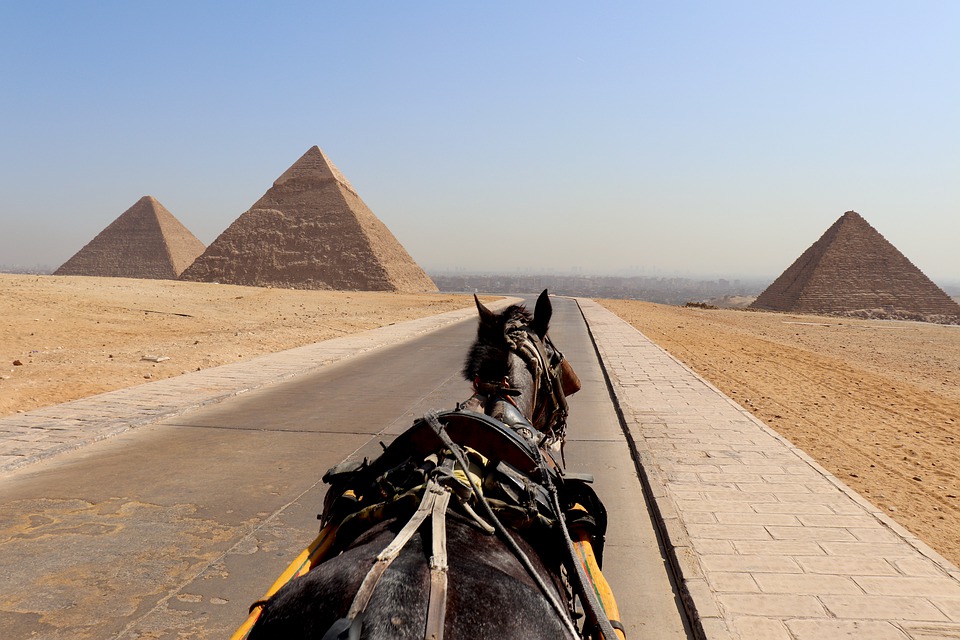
x: 455, y: 530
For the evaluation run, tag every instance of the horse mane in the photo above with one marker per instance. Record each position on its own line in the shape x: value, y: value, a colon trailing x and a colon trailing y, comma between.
x: 489, y: 357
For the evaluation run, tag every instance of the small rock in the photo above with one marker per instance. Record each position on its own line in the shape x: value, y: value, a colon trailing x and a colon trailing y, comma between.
x: 17, y: 363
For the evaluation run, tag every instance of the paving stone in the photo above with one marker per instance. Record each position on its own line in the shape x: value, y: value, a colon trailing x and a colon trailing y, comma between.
x: 761, y: 628
x: 838, y: 629
x: 761, y: 519
x: 772, y: 605
x: 870, y: 607
x: 728, y: 532
x: 928, y: 631
x: 796, y: 549
x: 907, y: 586
x: 917, y: 567
x: 727, y: 581
x: 949, y: 606
x: 819, y: 534
x: 848, y: 566
x: 809, y: 584
x: 750, y: 564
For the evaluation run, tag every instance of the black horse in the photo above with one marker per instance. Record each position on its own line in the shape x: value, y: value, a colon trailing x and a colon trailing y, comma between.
x: 495, y: 582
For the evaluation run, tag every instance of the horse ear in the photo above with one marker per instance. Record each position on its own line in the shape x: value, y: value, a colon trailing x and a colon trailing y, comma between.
x: 486, y: 316
x: 541, y: 314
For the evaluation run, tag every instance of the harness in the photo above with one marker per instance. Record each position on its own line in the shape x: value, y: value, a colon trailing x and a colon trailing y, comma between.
x: 459, y: 460
x: 487, y: 456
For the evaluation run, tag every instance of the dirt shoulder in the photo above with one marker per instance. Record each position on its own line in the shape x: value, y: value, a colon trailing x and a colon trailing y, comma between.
x: 877, y: 403
x: 77, y: 336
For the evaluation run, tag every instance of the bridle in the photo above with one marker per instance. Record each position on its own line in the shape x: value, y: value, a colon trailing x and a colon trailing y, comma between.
x: 544, y: 362
x: 547, y: 422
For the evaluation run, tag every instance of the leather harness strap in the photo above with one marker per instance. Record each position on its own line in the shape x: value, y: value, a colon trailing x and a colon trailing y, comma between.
x: 438, y: 428
x: 437, y: 605
x: 434, y: 503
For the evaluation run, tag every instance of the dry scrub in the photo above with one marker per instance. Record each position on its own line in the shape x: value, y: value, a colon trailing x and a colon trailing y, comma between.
x: 877, y: 403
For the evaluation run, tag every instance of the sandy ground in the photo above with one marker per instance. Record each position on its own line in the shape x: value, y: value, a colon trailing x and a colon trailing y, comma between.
x: 877, y: 403
x: 77, y: 336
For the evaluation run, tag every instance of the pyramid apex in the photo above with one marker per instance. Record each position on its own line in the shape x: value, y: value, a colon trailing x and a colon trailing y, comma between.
x: 314, y: 165
x: 148, y: 200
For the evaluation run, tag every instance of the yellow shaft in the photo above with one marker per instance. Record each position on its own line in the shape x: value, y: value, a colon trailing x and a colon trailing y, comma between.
x: 600, y: 585
x: 307, y: 559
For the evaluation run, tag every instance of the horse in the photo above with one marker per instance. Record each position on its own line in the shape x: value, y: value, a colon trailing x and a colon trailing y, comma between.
x: 393, y: 575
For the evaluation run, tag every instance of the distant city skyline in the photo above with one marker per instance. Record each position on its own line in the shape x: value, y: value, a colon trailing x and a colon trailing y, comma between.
x: 702, y: 139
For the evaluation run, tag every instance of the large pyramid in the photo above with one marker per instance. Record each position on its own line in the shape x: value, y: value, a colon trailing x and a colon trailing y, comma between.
x: 310, y: 231
x: 146, y: 241
x: 854, y: 268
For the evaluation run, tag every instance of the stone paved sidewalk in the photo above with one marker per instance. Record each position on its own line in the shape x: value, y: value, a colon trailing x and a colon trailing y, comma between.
x: 767, y: 543
x: 29, y: 437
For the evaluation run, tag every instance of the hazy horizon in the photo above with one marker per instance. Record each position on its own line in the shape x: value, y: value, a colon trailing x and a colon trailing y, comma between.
x: 696, y: 138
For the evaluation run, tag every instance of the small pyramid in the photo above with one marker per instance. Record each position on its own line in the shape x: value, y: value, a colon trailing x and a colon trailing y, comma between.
x: 310, y: 230
x: 852, y: 268
x: 146, y: 241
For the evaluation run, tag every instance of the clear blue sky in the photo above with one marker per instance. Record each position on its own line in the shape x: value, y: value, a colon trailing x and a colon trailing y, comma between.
x: 713, y: 138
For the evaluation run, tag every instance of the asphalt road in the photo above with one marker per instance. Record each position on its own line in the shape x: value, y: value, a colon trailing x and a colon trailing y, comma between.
x: 172, y: 530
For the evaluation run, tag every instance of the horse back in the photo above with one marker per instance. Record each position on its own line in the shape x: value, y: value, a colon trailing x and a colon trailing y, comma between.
x: 490, y: 595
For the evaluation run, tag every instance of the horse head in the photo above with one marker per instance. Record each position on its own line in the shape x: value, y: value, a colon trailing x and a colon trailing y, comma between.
x: 519, y: 376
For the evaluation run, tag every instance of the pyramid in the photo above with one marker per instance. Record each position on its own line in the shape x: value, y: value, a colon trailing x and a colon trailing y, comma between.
x: 146, y: 241
x: 310, y: 231
x: 853, y: 268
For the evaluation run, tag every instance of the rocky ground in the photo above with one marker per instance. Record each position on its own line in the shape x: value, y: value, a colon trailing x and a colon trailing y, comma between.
x: 877, y: 403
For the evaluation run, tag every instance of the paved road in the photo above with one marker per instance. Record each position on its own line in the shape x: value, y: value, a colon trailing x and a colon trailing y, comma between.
x: 171, y: 530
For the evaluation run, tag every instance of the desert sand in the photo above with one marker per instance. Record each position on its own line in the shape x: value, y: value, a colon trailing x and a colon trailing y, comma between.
x: 877, y: 403
x: 77, y: 336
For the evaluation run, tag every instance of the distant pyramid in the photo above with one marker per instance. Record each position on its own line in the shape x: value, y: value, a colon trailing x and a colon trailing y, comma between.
x: 146, y: 241
x: 310, y: 231
x: 851, y: 268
